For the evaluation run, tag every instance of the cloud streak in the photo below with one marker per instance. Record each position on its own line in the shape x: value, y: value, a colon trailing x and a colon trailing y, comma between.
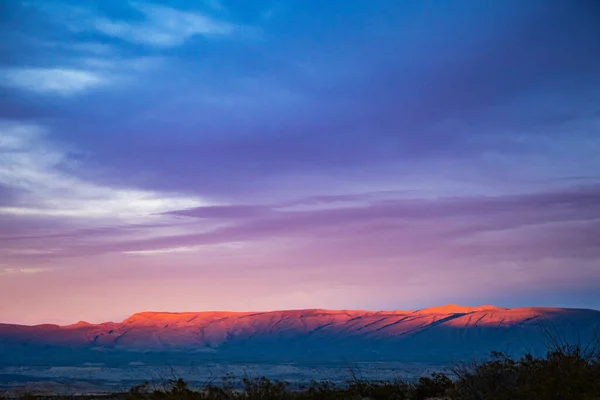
x: 163, y: 26
x: 471, y: 246
x: 27, y: 271
x: 37, y: 169
x: 562, y: 225
x: 62, y: 81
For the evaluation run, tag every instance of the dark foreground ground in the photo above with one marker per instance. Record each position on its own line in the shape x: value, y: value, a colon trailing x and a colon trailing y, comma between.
x: 565, y: 373
x: 90, y: 378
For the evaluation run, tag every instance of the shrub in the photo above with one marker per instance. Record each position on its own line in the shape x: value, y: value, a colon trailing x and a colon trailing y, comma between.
x: 567, y: 372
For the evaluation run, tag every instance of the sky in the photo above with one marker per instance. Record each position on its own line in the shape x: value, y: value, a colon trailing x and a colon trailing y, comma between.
x: 199, y: 155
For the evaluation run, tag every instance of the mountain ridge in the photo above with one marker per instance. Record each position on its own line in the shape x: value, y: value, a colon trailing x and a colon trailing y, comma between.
x: 448, y: 331
x: 443, y: 309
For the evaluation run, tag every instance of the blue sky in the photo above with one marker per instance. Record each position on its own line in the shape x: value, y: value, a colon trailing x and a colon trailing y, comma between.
x: 289, y: 154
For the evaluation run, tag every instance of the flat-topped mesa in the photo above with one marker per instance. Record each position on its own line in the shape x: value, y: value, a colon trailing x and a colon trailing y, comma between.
x: 158, y: 317
x: 152, y: 318
x: 448, y: 332
x: 456, y: 309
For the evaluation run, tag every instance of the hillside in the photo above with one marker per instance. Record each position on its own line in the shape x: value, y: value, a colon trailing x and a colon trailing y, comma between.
x: 434, y: 334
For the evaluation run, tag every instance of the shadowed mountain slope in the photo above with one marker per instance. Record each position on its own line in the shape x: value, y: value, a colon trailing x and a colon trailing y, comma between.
x: 433, y: 334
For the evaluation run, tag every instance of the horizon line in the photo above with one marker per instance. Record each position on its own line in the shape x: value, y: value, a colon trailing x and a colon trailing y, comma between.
x: 448, y: 307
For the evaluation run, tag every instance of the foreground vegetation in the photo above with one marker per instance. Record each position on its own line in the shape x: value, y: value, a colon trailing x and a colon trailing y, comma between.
x: 570, y: 373
x: 567, y: 372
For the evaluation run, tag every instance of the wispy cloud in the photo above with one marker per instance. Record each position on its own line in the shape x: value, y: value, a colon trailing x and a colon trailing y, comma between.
x: 163, y: 26
x: 186, y: 249
x: 559, y: 225
x: 119, y: 66
x: 63, y: 81
x: 27, y: 271
x: 81, y: 68
x: 160, y: 25
x: 34, y: 166
x: 171, y: 250
x: 83, y: 65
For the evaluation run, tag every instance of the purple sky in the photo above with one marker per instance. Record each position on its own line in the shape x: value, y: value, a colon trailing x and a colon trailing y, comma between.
x: 259, y: 155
